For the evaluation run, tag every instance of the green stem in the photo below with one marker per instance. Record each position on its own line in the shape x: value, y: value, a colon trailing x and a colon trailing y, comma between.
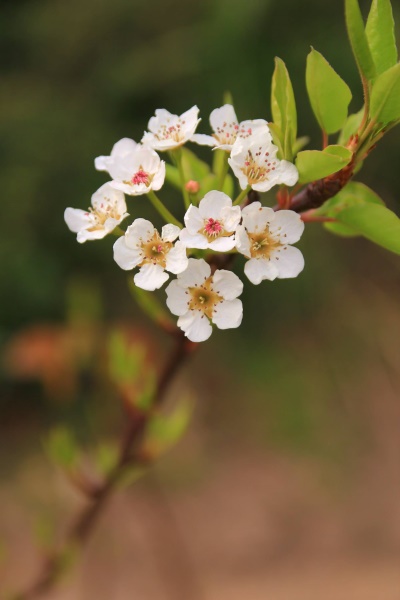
x: 118, y: 232
x: 223, y: 171
x: 178, y: 159
x: 162, y: 210
x: 242, y: 196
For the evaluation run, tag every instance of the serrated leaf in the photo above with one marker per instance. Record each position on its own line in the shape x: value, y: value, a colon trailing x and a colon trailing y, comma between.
x: 329, y: 95
x: 385, y: 96
x: 283, y: 107
x: 380, y: 35
x: 350, y: 127
x: 317, y: 164
x: 358, y: 40
x: 376, y: 223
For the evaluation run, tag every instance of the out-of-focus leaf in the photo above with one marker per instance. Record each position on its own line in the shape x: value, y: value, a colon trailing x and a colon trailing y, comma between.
x: 163, y: 431
x: 316, y: 164
x: 381, y: 36
x: 385, y: 96
x: 125, y: 360
x: 44, y: 532
x: 300, y: 143
x: 351, y: 125
x: 283, y: 107
x: 329, y: 94
x: 105, y: 457
x: 151, y: 306
x: 193, y: 167
x: 62, y: 448
x: 358, y: 40
x: 172, y: 176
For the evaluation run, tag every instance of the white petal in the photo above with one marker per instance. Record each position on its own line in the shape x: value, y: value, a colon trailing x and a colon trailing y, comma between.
x: 257, y: 217
x: 223, y: 115
x: 140, y: 231
x: 213, y: 203
x: 159, y: 178
x: 288, y: 261
x: 196, y: 326
x: 101, y: 163
x: 176, y: 259
x: 150, y: 277
x: 223, y: 244
x: 77, y: 219
x: 228, y: 314
x: 242, y: 241
x: 231, y: 217
x: 106, y: 194
x: 203, y: 140
x: 287, y: 226
x: 288, y: 173
x: 122, y: 147
x: 193, y: 219
x: 84, y: 235
x: 227, y: 284
x: 258, y: 269
x: 125, y: 257
x: 237, y: 167
x: 196, y: 273
x: 190, y: 118
x: 196, y: 240
x: 256, y: 127
x: 170, y: 232
x: 177, y: 298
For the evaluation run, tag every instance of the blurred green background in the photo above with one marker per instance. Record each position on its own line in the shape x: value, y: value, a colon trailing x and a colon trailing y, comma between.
x: 303, y: 375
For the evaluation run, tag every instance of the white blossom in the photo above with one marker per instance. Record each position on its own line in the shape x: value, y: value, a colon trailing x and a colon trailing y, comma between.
x: 264, y: 237
x: 137, y: 172
x: 212, y: 224
x: 199, y: 299
x: 142, y: 246
x: 254, y: 162
x: 120, y: 149
x: 106, y: 213
x: 227, y: 129
x: 168, y: 131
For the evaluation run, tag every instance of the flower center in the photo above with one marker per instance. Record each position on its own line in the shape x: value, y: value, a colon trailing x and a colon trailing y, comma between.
x: 141, y: 177
x: 212, y: 227
x: 257, y: 167
x: 155, y: 251
x: 262, y: 244
x: 226, y: 134
x: 171, y: 132
x: 204, y: 298
x: 101, y: 212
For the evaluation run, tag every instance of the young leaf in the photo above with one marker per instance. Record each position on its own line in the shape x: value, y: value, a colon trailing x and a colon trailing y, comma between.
x: 316, y: 164
x: 283, y: 107
x: 329, y: 95
x: 358, y: 40
x: 354, y: 194
x: 172, y: 176
x: 351, y: 125
x: 375, y: 222
x: 163, y: 431
x: 385, y: 96
x: 380, y: 35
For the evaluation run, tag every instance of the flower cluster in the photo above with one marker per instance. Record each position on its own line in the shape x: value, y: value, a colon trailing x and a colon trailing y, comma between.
x: 201, y: 294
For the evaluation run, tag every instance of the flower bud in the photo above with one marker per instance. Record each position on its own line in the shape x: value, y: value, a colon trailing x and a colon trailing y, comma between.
x: 192, y: 186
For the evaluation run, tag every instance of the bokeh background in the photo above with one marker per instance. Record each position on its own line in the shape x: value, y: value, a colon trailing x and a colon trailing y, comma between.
x: 287, y: 484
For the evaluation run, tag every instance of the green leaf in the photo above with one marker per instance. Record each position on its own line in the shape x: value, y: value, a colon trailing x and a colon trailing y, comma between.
x: 193, y: 167
x: 350, y: 127
x: 316, y: 164
x: 277, y: 138
x: 300, y: 143
x: 340, y: 229
x: 354, y: 194
x: 375, y: 222
x: 329, y: 95
x: 172, y: 176
x: 358, y: 40
x: 283, y: 107
x: 380, y: 35
x: 385, y: 96
x: 126, y: 360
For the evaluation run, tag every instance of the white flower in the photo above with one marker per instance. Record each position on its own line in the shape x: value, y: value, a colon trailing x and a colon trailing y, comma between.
x: 120, y: 149
x: 137, y: 172
x: 107, y: 211
x: 227, y: 129
x: 169, y: 131
x: 255, y: 164
x: 264, y: 237
x: 213, y: 224
x: 199, y: 298
x: 142, y: 246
